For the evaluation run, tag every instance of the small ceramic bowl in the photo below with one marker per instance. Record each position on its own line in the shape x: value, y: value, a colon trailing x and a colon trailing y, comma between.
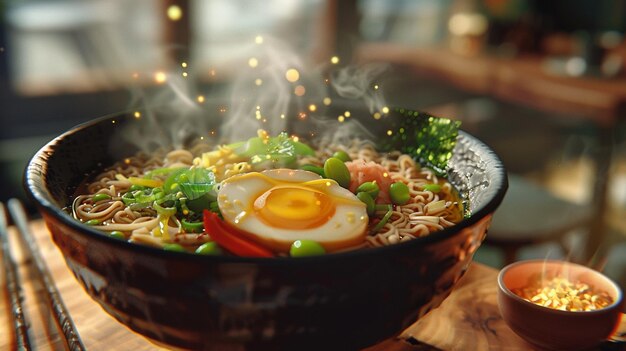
x: 551, y: 328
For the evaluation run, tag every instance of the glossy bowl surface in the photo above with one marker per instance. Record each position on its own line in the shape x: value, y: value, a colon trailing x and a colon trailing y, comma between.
x: 550, y: 328
x: 340, y: 301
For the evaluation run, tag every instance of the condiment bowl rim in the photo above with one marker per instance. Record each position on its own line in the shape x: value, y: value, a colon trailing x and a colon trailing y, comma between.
x: 505, y: 289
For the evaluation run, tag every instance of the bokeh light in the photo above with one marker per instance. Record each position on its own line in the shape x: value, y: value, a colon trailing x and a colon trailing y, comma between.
x: 292, y: 75
x: 334, y: 60
x: 253, y: 62
x: 160, y: 77
x: 300, y: 90
x: 174, y: 13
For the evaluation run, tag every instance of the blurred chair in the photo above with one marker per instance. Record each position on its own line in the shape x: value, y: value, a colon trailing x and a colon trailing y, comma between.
x: 530, y: 215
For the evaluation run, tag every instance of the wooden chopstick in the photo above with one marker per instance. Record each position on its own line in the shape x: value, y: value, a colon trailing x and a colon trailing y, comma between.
x: 13, y: 287
x: 41, y: 273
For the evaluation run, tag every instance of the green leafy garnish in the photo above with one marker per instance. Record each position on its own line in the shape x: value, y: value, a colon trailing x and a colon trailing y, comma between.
x: 280, y: 149
x: 428, y: 139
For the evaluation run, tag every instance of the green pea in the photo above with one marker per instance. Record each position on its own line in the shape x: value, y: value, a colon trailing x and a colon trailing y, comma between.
x: 335, y: 169
x: 173, y: 247
x: 117, y: 235
x: 342, y: 155
x: 100, y: 197
x: 368, y: 201
x: 135, y: 187
x: 399, y: 193
x: 209, y: 248
x: 302, y: 248
x: 435, y: 188
x: 314, y: 169
x: 93, y: 222
x: 369, y: 187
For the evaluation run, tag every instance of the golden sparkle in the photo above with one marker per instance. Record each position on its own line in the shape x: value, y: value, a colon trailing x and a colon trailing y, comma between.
x: 295, y: 138
x: 185, y: 74
x: 299, y: 90
x: 385, y: 110
x: 253, y: 62
x: 292, y: 75
x: 137, y: 114
x: 302, y: 115
x: 377, y: 115
x: 160, y: 77
x: 258, y: 82
x: 341, y: 119
x: 389, y: 132
x: 174, y: 13
x: 347, y: 114
x: 200, y: 98
x: 282, y: 116
x: 375, y: 86
x: 183, y: 64
x: 327, y: 101
x: 258, y: 39
x: 334, y: 60
x: 312, y: 107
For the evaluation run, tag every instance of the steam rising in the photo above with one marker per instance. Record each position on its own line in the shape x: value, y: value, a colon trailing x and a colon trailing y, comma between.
x: 273, y: 88
x: 355, y: 83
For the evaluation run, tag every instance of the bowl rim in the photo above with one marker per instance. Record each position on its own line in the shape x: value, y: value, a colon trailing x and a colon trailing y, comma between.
x: 504, y: 289
x: 38, y: 195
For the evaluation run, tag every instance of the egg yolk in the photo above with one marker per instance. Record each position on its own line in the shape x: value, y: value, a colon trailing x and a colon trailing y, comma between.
x: 294, y: 207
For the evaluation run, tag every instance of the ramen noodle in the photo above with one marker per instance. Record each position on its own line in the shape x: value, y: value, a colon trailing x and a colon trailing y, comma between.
x: 268, y: 194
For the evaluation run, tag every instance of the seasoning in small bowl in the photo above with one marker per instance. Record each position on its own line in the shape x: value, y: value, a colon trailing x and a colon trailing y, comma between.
x: 558, y: 305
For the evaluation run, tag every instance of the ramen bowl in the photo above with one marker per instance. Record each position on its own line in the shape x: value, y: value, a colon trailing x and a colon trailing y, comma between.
x: 592, y: 304
x: 343, y: 301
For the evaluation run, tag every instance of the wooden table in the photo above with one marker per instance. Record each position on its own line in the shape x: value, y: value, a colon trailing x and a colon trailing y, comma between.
x: 467, y: 320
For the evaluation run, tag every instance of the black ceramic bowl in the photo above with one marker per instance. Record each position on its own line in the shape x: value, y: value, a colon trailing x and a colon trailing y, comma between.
x: 339, y: 301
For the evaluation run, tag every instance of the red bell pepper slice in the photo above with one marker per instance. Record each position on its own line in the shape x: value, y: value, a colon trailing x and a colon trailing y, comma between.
x: 230, y: 241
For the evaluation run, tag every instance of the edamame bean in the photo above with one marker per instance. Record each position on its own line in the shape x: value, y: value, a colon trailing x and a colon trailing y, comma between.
x: 93, y: 222
x: 335, y: 169
x: 117, y: 235
x: 342, y: 155
x: 173, y: 247
x: 368, y: 201
x: 302, y: 248
x: 100, y: 197
x: 369, y: 187
x: 435, y: 188
x: 209, y: 248
x: 399, y: 193
x: 314, y: 169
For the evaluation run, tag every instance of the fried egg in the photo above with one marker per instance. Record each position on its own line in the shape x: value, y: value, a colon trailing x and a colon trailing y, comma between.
x: 277, y: 207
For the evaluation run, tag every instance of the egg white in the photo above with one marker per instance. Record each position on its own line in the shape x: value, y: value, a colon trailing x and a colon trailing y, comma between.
x: 346, y: 227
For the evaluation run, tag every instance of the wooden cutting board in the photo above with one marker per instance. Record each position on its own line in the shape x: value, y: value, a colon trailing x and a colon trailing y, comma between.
x: 467, y: 320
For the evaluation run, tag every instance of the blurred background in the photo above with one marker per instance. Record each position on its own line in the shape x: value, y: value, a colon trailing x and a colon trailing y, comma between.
x: 542, y: 82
